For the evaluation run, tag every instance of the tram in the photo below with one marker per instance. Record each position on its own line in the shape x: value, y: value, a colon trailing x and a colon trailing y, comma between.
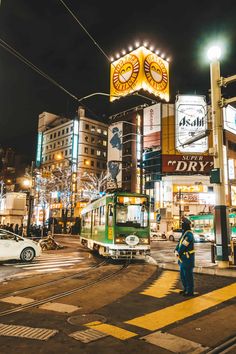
x: 117, y: 225
x: 204, y: 223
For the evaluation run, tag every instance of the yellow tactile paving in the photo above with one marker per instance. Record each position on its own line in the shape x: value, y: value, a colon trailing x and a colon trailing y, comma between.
x: 111, y: 330
x: 159, y: 319
x: 163, y: 285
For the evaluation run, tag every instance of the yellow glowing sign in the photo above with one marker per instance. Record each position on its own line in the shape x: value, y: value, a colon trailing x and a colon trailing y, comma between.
x: 140, y: 69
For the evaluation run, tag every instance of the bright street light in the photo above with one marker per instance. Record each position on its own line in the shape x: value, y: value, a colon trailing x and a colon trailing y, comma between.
x: 214, y: 53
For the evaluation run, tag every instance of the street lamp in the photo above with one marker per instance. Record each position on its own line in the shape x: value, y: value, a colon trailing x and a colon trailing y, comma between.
x: 221, y: 211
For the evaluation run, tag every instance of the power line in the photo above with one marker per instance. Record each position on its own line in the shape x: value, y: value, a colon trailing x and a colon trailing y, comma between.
x: 99, y: 47
x: 19, y: 56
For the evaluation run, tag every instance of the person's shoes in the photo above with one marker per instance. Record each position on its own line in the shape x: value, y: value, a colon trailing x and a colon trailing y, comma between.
x: 182, y: 292
x: 188, y: 294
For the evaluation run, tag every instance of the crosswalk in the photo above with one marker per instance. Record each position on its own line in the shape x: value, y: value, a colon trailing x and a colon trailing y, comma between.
x: 48, y: 263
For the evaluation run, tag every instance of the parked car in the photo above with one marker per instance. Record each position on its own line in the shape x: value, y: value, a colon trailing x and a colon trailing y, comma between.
x: 13, y: 246
x: 174, y: 234
x: 199, y: 237
x: 155, y: 235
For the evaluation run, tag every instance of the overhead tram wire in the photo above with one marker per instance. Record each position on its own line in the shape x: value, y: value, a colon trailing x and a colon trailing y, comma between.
x: 19, y: 56
x: 99, y: 47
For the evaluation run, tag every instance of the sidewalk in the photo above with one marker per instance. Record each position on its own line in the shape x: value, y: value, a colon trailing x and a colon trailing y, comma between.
x: 165, y: 259
x: 168, y: 261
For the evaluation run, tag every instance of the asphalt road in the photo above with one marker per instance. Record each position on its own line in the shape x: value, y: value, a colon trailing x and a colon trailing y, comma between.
x: 115, y: 307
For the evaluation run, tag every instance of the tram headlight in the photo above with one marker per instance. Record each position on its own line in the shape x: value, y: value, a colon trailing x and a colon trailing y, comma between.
x: 120, y: 239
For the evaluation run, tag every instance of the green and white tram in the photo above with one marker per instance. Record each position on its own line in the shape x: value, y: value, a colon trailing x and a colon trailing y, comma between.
x: 117, y: 225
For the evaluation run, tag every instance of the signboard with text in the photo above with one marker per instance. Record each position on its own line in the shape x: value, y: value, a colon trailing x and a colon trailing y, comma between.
x: 190, y: 122
x: 186, y: 164
x: 229, y: 114
x: 152, y: 126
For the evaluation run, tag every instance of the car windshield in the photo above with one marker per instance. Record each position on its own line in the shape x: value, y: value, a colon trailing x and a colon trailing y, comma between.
x: 7, y: 235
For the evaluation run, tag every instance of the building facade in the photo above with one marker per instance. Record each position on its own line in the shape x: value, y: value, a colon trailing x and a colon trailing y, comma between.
x: 73, y: 150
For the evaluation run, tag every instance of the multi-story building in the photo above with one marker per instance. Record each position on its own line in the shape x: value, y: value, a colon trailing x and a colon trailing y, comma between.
x: 78, y: 145
x: 152, y: 151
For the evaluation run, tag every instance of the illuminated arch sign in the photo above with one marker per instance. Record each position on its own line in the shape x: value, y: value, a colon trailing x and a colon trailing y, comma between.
x: 140, y: 69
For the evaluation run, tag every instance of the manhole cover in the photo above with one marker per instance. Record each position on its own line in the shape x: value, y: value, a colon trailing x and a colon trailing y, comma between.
x: 86, y: 318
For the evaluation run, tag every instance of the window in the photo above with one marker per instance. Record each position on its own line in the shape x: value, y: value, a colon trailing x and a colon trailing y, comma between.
x: 92, y: 163
x: 63, y: 131
x: 98, y: 164
x: 110, y: 215
x: 55, y: 134
x: 87, y: 126
x: 104, y: 132
x: 98, y: 153
x: 102, y: 220
x: 92, y: 151
x: 86, y: 150
x: 86, y: 138
x: 99, y: 130
x: 104, y: 143
x: 50, y: 136
x: 67, y: 130
x: 92, y: 128
x: 59, y: 133
x: 92, y: 140
x: 96, y: 217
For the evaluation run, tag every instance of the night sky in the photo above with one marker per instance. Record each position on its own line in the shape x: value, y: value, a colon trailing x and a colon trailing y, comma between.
x: 46, y: 34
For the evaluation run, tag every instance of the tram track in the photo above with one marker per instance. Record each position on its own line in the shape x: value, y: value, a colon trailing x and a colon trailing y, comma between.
x: 54, y: 281
x: 225, y: 347
x: 66, y: 292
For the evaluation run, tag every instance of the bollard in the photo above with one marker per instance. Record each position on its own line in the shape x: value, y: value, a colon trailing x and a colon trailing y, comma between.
x: 213, y: 252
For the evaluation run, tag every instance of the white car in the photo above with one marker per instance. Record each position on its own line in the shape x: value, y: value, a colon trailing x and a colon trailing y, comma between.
x: 13, y: 246
x: 174, y: 235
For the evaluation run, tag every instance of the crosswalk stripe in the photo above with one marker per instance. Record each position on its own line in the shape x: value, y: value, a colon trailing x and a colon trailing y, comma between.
x: 163, y: 285
x: 164, y: 317
x: 48, y: 270
x: 45, y: 264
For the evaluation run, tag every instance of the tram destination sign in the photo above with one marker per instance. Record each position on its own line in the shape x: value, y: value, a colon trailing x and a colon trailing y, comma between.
x: 186, y: 164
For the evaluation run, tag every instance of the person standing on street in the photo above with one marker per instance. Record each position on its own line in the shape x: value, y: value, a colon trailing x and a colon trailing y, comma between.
x: 184, y: 251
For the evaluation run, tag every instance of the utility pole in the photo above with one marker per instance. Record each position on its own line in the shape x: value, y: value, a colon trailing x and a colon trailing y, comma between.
x: 31, y: 200
x: 180, y: 209
x: 221, y: 210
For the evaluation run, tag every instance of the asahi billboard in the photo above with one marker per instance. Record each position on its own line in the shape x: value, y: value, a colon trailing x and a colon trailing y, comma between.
x: 230, y: 119
x: 190, y: 121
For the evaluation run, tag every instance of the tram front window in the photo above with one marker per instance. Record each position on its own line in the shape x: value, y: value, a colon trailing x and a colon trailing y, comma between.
x: 131, y: 215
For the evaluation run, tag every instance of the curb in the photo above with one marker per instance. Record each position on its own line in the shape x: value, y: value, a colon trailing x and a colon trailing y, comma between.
x: 201, y: 270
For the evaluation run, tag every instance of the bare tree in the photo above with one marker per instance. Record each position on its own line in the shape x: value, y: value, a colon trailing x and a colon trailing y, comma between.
x: 94, y: 185
x: 62, y: 179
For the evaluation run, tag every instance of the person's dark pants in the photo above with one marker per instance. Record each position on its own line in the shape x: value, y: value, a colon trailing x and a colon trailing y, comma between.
x: 186, y: 275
